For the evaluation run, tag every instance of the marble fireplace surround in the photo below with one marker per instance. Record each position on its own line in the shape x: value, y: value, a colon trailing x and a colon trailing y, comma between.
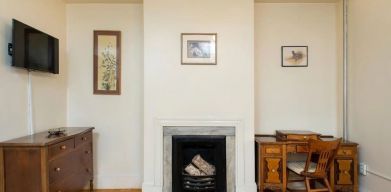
x: 169, y: 131
x: 244, y: 156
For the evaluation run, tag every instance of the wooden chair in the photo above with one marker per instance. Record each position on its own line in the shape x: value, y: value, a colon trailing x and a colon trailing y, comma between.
x: 320, y: 156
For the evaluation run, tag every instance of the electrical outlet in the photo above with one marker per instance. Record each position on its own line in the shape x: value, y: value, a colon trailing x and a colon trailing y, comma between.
x: 363, y: 168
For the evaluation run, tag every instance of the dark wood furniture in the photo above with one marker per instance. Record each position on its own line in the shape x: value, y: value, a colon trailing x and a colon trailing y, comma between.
x: 320, y: 156
x: 37, y: 163
x: 272, y: 157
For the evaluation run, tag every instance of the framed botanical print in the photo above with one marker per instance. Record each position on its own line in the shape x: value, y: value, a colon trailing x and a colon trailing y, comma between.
x: 107, y: 62
x: 199, y: 48
x: 294, y: 56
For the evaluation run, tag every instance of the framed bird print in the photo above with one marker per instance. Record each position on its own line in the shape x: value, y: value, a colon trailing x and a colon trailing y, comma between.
x: 294, y: 56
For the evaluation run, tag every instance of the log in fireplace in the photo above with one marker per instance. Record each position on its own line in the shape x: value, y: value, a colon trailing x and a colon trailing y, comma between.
x: 199, y: 163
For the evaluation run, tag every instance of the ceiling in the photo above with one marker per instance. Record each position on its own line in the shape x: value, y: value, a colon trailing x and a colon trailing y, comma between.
x: 103, y: 1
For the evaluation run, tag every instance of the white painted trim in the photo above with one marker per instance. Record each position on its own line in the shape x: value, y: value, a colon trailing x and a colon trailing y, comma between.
x: 30, y: 123
x: 117, y: 181
x: 296, y: 1
x: 150, y: 187
x: 104, y: 1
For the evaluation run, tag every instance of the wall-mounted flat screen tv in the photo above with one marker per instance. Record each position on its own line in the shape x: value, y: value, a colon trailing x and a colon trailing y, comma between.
x: 33, y: 49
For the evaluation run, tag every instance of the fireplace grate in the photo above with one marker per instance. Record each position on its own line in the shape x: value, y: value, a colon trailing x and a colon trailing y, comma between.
x: 199, y: 183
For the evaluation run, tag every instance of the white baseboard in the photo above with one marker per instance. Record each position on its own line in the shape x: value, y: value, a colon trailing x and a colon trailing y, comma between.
x: 247, y: 188
x: 117, y: 181
x: 149, y: 187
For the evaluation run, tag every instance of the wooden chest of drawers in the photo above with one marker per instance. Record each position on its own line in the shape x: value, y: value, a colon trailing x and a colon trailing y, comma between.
x: 37, y: 163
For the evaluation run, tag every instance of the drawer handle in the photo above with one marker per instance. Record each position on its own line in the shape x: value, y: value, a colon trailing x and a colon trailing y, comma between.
x: 84, y: 138
x: 58, y: 169
x: 63, y: 147
x: 273, y: 170
x: 87, y: 152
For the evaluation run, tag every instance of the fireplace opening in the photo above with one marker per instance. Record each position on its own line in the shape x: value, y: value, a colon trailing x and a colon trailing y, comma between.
x: 199, y: 163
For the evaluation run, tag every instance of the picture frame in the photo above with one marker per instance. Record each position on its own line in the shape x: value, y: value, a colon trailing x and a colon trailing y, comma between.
x: 107, y: 62
x: 199, y: 48
x: 294, y: 56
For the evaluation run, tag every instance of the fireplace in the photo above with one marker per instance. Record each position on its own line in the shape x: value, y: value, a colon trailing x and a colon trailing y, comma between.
x: 199, y: 163
x: 182, y: 143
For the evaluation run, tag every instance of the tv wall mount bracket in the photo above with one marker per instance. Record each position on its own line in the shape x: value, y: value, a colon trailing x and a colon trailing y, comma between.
x: 10, y: 49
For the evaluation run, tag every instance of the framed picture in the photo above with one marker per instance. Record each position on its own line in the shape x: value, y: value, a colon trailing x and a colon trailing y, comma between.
x: 294, y: 56
x: 199, y: 48
x: 107, y: 62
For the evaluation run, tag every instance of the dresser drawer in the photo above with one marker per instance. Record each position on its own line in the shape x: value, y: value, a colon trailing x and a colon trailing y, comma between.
x: 85, y: 160
x: 72, y: 183
x: 62, y: 167
x: 83, y: 138
x: 61, y: 148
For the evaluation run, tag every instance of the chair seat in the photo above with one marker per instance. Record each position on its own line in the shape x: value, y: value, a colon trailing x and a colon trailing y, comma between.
x: 296, y: 186
x: 300, y: 186
x: 298, y: 167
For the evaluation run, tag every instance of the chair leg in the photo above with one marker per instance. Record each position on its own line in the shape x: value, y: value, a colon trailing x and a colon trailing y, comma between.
x: 307, y: 184
x: 327, y: 183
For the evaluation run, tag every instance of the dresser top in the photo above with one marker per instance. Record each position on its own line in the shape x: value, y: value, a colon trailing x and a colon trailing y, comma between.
x: 42, y: 139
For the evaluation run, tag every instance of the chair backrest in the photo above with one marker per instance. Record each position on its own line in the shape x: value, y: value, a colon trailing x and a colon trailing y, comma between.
x: 326, y: 151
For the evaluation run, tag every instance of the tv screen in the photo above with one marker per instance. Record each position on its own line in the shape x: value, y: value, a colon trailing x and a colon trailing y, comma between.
x: 33, y: 49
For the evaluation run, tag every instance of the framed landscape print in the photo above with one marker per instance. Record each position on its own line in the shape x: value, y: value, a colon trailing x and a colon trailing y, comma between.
x: 107, y: 62
x: 294, y: 56
x: 199, y: 48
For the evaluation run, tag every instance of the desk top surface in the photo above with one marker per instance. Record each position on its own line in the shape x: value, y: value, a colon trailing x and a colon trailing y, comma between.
x: 271, y: 139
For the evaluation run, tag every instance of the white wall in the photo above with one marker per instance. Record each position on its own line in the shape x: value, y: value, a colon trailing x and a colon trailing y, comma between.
x: 297, y: 97
x: 48, y: 90
x: 370, y: 90
x: 118, y: 119
x: 175, y: 91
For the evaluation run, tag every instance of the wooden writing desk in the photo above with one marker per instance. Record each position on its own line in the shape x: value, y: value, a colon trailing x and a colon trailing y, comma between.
x: 271, y: 160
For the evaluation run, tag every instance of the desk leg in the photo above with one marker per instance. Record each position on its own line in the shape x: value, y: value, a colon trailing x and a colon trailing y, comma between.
x: 284, y: 171
x: 332, y: 175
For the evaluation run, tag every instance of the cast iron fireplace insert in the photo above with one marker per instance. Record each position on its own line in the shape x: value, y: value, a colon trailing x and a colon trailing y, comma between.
x: 212, y: 149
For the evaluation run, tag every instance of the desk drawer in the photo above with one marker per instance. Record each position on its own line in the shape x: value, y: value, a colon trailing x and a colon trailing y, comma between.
x: 61, y: 148
x: 302, y: 149
x: 301, y: 137
x: 346, y: 151
x: 291, y: 148
x: 273, y: 149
